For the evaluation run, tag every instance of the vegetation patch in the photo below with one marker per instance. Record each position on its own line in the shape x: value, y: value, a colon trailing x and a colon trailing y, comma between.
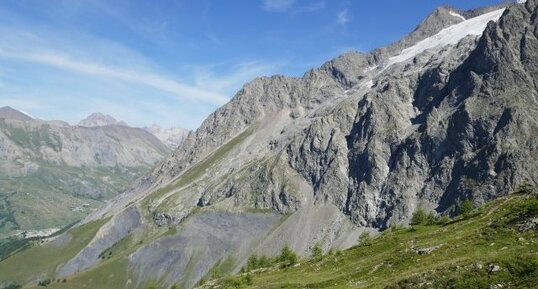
x: 40, y: 260
x: 495, y: 246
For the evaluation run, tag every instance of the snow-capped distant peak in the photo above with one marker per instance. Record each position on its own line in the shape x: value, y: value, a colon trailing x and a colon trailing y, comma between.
x: 171, y: 137
x: 450, y: 35
x: 99, y: 119
x: 456, y: 15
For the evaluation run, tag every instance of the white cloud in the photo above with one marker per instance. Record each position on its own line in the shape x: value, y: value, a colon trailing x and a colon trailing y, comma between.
x: 277, y: 5
x: 107, y: 60
x: 154, y: 80
x: 343, y: 17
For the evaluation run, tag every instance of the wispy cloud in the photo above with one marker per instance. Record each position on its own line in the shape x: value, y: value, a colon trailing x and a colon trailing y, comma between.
x: 343, y: 17
x: 154, y: 80
x: 235, y: 76
x: 106, y: 60
x: 277, y: 5
x: 154, y: 94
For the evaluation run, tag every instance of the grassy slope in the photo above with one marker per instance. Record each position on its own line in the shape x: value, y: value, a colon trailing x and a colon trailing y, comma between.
x: 44, y: 200
x: 197, y: 170
x: 489, y: 237
x: 40, y: 261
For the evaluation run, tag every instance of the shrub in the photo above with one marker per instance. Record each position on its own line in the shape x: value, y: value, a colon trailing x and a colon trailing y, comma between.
x: 466, y: 207
x: 524, y: 188
x: 44, y: 283
x: 287, y: 257
x: 317, y: 252
x: 365, y: 239
x: 443, y: 220
x: 252, y: 262
x: 12, y: 286
x: 255, y: 262
x: 421, y: 217
x: 248, y: 279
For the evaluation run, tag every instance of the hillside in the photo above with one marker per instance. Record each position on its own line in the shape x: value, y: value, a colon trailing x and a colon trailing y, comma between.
x: 52, y: 174
x: 446, y: 114
x: 495, y: 246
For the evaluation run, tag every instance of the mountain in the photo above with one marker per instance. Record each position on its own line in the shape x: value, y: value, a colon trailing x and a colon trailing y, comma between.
x: 52, y: 174
x: 7, y: 112
x: 171, y: 137
x: 445, y: 115
x: 99, y: 119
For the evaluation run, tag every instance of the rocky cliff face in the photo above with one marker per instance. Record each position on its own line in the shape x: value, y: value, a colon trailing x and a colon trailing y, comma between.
x: 68, y: 170
x: 379, y: 134
x: 446, y: 114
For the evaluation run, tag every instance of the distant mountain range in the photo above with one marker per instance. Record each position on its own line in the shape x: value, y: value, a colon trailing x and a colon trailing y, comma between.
x: 171, y: 137
x: 52, y: 173
x: 99, y: 119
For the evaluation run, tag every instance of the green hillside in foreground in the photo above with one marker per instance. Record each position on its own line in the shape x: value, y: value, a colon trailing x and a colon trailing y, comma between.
x: 493, y: 247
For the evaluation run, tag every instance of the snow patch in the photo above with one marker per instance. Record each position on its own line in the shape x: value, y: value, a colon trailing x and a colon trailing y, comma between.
x: 450, y: 35
x: 456, y: 15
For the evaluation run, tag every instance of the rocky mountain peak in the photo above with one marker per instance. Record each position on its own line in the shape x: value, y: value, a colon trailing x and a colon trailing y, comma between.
x: 100, y: 119
x: 7, y: 112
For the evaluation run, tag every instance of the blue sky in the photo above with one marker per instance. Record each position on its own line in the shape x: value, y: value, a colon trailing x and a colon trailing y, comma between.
x: 174, y: 62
